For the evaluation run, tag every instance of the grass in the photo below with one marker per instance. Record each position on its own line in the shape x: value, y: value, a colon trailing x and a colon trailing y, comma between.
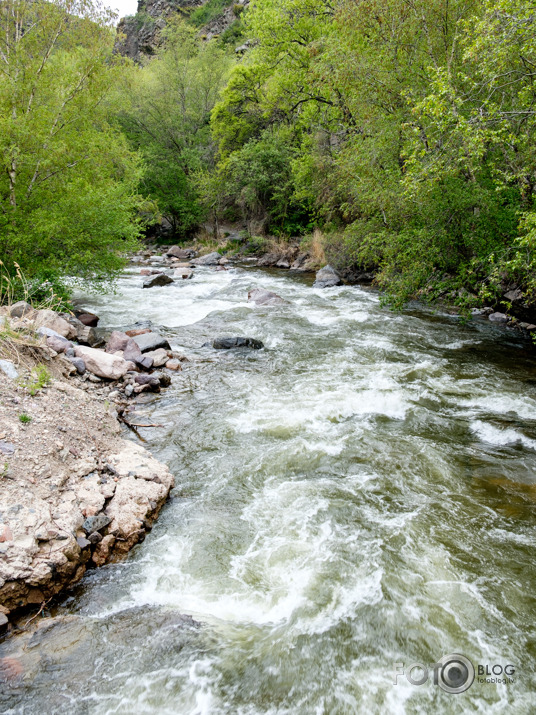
x: 39, y: 378
x: 25, y: 419
x: 14, y: 286
x: 314, y: 245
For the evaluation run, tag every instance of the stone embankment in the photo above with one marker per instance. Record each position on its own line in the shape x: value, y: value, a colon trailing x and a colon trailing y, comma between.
x: 73, y: 492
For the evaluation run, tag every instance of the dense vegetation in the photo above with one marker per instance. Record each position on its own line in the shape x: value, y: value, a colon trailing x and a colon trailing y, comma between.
x: 403, y: 129
x: 68, y: 180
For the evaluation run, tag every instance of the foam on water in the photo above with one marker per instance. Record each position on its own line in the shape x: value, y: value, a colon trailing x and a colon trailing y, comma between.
x: 336, y: 509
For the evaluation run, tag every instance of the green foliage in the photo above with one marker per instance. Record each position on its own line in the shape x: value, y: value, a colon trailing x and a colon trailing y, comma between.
x: 24, y: 418
x: 166, y: 112
x: 258, y: 180
x: 406, y: 129
x: 207, y: 12
x: 234, y: 34
x: 39, y: 378
x: 67, y: 177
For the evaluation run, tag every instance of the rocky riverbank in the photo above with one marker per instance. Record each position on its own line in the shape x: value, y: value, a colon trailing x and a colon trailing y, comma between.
x: 74, y: 493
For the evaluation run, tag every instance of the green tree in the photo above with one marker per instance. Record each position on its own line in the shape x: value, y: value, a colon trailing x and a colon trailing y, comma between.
x: 166, y: 117
x: 67, y: 177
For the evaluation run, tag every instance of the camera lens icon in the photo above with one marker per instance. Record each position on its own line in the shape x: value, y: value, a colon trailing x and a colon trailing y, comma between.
x: 456, y: 674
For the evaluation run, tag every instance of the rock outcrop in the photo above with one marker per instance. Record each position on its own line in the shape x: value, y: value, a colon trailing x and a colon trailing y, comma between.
x: 74, y: 493
x: 140, y: 35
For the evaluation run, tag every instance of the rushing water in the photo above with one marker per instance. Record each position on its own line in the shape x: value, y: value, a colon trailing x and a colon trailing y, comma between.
x: 360, y: 493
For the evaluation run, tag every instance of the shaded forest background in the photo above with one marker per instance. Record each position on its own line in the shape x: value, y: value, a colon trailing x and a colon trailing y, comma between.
x: 403, y: 130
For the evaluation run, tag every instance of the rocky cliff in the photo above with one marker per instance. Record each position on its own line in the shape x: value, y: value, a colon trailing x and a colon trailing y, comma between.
x: 139, y: 35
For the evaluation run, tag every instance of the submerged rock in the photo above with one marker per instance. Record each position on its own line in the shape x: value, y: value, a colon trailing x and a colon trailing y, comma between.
x: 230, y: 343
x: 259, y: 296
x: 327, y: 277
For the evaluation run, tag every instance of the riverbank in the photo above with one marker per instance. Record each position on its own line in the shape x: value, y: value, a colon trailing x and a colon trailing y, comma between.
x: 74, y: 493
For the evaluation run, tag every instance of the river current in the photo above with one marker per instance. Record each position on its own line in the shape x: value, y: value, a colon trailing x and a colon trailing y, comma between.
x: 359, y: 494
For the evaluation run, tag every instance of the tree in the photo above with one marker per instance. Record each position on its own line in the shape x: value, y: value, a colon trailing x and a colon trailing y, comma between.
x: 67, y: 177
x: 166, y: 117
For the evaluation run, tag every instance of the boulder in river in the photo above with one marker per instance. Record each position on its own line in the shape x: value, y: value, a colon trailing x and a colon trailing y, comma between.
x: 174, y: 365
x: 161, y: 279
x: 211, y: 259
x: 89, y: 319
x: 151, y: 341
x: 327, y: 277
x: 498, y: 318
x: 230, y: 343
x: 259, y: 296
x: 184, y: 273
x: 182, y: 253
x: 111, y: 367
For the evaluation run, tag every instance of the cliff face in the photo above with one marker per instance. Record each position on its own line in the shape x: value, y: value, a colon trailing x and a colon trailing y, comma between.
x: 139, y: 35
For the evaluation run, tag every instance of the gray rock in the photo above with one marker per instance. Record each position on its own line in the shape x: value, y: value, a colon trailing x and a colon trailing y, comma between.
x: 327, y: 277
x: 156, y: 281
x: 101, y: 364
x: 9, y: 369
x: 514, y: 296
x: 498, y: 318
x: 95, y: 538
x: 20, y: 309
x: 159, y: 357
x: 95, y: 523
x: 151, y: 341
x: 230, y: 343
x: 182, y: 253
x: 79, y: 364
x: 151, y: 380
x: 82, y: 542
x: 59, y: 344
x: 129, y: 389
x: 259, y: 296
x: 48, y: 333
x: 211, y: 259
x: 145, y: 362
x: 70, y: 353
x: 184, y: 274
x: 6, y: 447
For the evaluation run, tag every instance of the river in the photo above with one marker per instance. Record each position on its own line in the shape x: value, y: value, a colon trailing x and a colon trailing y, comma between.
x: 359, y: 494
